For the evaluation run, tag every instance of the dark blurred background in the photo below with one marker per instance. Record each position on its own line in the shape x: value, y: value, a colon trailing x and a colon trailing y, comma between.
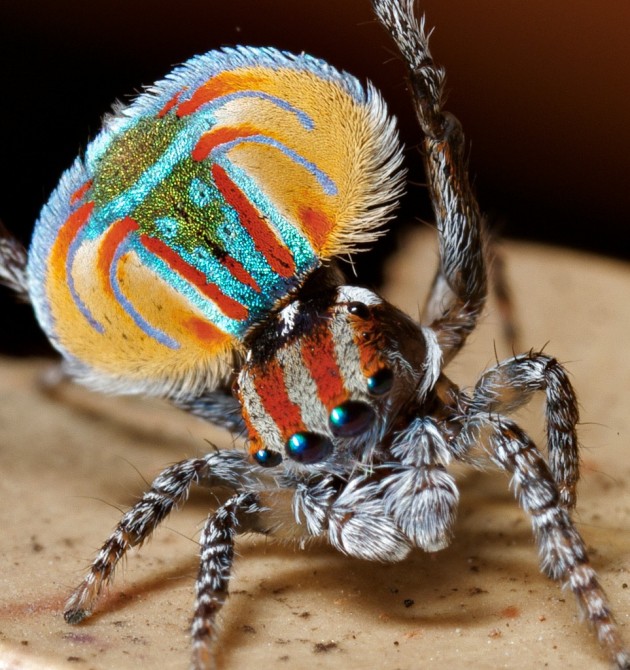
x: 542, y: 89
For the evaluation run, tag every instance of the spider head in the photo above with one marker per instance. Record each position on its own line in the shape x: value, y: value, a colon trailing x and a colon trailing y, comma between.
x: 331, y: 377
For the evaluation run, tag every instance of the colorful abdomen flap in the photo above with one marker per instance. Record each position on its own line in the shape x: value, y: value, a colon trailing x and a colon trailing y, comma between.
x: 200, y: 207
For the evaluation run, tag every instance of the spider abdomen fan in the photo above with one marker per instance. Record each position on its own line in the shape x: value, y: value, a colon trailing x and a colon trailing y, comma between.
x: 203, y: 205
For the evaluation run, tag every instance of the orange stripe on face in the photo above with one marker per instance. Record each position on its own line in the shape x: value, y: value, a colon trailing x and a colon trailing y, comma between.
x: 370, y: 342
x: 272, y: 391
x: 318, y: 352
x: 116, y: 233
x: 208, y: 141
x: 276, y: 254
x: 230, y: 307
x: 222, y: 84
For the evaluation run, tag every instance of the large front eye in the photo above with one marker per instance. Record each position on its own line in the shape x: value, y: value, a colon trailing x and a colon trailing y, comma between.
x: 308, y: 447
x: 359, y: 309
x: 267, y: 458
x: 380, y: 382
x: 350, y: 418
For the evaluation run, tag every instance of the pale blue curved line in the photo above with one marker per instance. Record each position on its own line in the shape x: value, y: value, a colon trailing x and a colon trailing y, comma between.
x: 212, y: 105
x: 139, y: 320
x: 328, y: 185
x: 179, y: 149
x: 83, y: 308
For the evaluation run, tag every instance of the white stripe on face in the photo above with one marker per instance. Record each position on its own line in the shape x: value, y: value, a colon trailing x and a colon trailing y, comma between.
x: 302, y: 389
x: 347, y: 355
x: 258, y: 416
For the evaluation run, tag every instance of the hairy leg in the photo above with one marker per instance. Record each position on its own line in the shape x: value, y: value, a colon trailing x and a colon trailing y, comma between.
x: 168, y: 490
x: 562, y: 551
x: 421, y: 495
x: 510, y: 384
x: 460, y: 288
x: 215, y: 566
x: 218, y: 407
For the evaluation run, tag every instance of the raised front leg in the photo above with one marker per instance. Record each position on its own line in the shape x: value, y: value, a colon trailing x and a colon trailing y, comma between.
x: 460, y: 286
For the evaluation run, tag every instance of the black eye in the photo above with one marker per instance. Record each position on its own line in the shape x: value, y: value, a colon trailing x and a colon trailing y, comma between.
x: 308, y: 447
x: 381, y: 382
x: 359, y: 309
x: 267, y: 458
x: 350, y: 418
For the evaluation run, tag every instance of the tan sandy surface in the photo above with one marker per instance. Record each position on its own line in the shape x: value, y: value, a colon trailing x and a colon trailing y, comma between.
x: 67, y: 467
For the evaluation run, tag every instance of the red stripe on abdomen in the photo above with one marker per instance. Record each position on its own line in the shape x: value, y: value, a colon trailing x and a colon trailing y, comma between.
x: 317, y: 226
x: 69, y: 231
x: 239, y: 272
x: 230, y: 307
x: 115, y: 234
x: 276, y: 254
x: 171, y: 103
x: 78, y: 195
x: 214, y: 138
x: 222, y: 84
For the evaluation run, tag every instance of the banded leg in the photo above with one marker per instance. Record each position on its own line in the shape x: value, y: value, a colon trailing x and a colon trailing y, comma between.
x: 167, y: 491
x: 217, y: 555
x: 460, y: 287
x: 510, y: 384
x: 13, y: 259
x: 561, y: 548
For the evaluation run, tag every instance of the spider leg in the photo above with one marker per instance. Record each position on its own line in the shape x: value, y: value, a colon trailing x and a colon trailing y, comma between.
x: 561, y: 548
x: 510, y: 384
x: 217, y: 555
x: 421, y: 495
x: 218, y: 407
x: 500, y: 286
x: 13, y: 259
x: 460, y: 287
x: 168, y: 490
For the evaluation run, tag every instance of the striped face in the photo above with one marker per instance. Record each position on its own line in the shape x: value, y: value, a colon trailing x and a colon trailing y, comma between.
x: 201, y: 207
x: 328, y: 381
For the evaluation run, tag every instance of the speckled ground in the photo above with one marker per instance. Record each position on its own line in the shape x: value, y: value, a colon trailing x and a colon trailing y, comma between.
x: 69, y: 463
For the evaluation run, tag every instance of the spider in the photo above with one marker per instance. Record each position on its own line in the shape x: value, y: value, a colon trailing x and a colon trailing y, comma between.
x: 190, y: 254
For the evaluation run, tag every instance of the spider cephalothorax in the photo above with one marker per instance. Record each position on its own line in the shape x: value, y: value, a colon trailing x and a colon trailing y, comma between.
x: 327, y: 377
x: 191, y: 253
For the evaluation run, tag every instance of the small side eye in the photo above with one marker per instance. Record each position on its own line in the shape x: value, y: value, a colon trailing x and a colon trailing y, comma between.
x: 308, y: 447
x: 359, y: 309
x: 350, y: 418
x: 267, y: 458
x: 381, y: 382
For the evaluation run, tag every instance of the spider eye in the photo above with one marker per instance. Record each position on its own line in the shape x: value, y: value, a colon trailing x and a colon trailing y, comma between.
x: 308, y: 447
x: 350, y: 418
x: 359, y: 309
x: 267, y: 458
x: 381, y: 382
